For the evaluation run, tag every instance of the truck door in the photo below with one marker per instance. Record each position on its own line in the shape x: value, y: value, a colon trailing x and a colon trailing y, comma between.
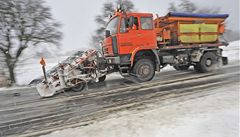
x: 142, y: 35
x: 146, y: 33
x: 128, y: 37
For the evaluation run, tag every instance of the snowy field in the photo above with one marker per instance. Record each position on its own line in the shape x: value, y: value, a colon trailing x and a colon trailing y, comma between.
x: 32, y: 69
x: 232, y: 51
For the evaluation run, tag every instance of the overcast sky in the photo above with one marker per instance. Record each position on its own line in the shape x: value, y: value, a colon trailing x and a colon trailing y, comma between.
x: 77, y: 16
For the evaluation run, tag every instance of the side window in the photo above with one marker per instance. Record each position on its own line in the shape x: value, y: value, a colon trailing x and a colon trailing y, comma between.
x: 146, y: 23
x: 123, y: 27
x: 136, y: 22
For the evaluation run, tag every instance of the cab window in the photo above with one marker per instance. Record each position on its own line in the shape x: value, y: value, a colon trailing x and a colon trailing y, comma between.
x: 123, y: 27
x: 146, y: 23
x: 112, y: 26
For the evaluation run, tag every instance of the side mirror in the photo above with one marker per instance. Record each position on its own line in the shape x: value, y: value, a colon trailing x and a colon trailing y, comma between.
x: 107, y: 33
x: 100, y: 43
x: 131, y: 22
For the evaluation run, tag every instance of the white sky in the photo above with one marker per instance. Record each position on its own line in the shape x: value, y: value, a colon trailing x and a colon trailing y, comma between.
x: 77, y: 16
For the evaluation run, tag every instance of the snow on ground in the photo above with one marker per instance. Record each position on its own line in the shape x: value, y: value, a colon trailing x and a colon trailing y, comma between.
x: 14, y: 88
x: 216, y: 115
x: 232, y: 51
x: 31, y: 68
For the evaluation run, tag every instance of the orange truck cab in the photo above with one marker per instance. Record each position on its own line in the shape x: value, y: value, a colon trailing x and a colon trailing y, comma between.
x: 124, y: 40
x: 139, y: 45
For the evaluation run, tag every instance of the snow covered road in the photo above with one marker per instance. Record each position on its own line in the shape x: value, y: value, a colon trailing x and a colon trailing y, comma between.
x: 213, y: 115
x: 29, y: 115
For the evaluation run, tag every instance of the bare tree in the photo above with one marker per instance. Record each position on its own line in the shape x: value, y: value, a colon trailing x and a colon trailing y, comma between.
x: 25, y: 23
x: 190, y: 7
x: 102, y: 19
x: 126, y: 4
x: 187, y: 6
x: 172, y: 7
x: 209, y: 10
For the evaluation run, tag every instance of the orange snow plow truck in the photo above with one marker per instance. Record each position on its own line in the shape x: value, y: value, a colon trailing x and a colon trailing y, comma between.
x: 138, y: 45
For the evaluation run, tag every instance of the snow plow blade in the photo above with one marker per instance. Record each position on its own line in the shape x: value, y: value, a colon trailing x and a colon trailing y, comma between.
x: 72, y: 73
x: 45, y: 90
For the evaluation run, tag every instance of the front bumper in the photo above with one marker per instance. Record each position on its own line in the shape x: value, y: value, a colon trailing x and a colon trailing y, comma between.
x: 121, y: 59
x: 113, y: 60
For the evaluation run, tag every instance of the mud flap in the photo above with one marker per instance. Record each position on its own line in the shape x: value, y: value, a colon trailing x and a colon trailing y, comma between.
x: 224, y: 60
x: 45, y: 90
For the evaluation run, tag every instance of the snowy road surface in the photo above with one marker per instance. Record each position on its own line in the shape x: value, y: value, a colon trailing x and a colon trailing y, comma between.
x: 164, y: 106
x: 213, y: 115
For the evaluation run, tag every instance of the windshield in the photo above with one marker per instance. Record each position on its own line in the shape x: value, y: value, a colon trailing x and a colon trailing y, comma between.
x: 112, y: 26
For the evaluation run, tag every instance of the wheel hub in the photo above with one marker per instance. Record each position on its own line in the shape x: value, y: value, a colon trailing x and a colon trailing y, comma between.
x: 144, y: 70
x: 208, y: 62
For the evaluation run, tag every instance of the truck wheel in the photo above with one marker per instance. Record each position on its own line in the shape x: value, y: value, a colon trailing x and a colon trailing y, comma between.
x: 101, y: 79
x: 197, y: 68
x: 207, y: 63
x: 181, y: 68
x: 144, y: 70
x: 79, y: 85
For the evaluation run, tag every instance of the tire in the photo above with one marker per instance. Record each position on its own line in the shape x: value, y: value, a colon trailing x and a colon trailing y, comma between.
x: 197, y: 68
x: 144, y: 70
x: 101, y: 79
x: 208, y: 63
x: 181, y: 68
x: 79, y: 87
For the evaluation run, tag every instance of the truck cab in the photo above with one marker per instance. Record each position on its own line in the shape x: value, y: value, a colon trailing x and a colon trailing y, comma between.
x: 126, y: 34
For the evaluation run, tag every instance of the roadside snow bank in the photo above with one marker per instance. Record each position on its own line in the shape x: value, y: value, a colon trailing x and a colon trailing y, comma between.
x: 13, y: 88
x: 31, y: 69
x: 215, y: 115
x: 232, y: 51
